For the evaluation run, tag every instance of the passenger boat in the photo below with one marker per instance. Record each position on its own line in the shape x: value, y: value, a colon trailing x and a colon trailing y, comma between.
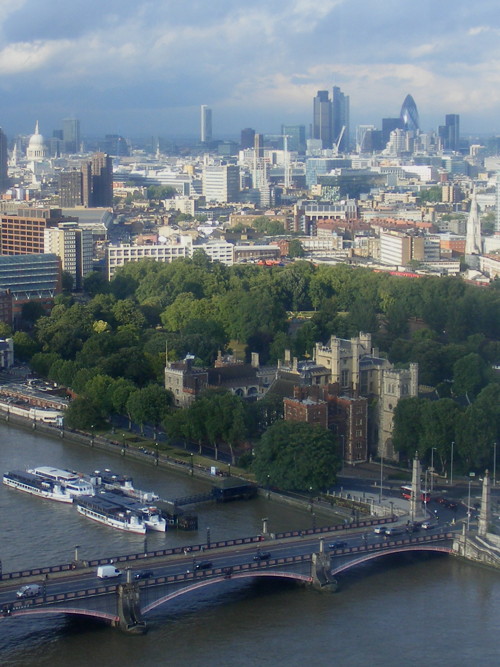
x: 28, y: 482
x: 154, y: 519
x: 113, y: 482
x: 74, y: 483
x: 104, y: 508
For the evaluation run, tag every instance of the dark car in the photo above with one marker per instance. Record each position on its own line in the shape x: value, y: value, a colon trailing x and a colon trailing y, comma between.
x: 338, y: 545
x: 143, y: 574
x: 262, y: 555
x: 203, y: 565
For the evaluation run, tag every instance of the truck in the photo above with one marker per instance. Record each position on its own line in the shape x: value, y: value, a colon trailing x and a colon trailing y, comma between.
x: 108, y: 572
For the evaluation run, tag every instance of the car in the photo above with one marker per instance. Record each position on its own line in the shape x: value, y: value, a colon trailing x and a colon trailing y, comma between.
x: 338, y: 545
x: 379, y: 530
x: 203, y: 565
x: 143, y: 574
x: 426, y: 525
x: 29, y: 591
x: 262, y: 555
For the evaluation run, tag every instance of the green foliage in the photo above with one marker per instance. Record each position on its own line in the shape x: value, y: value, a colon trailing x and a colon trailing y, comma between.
x: 295, y: 248
x: 265, y: 225
x: 24, y: 346
x: 83, y: 413
x: 431, y: 195
x: 297, y: 457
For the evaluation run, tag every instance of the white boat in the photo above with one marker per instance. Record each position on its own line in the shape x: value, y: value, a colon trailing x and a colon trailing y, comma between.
x: 37, y: 486
x: 112, y: 481
x: 154, y: 520
x: 105, y: 510
x: 74, y: 483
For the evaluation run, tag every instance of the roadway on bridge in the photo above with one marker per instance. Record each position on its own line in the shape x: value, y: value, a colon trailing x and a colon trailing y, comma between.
x: 226, y: 557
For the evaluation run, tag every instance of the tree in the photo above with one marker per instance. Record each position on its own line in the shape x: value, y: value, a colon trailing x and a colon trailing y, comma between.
x: 83, y: 413
x: 67, y: 281
x: 469, y: 375
x: 295, y: 248
x: 24, y: 346
x: 297, y: 457
x: 95, y: 283
x: 408, y: 426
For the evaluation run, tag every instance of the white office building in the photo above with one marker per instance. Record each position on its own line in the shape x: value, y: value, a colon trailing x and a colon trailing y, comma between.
x: 221, y: 183
x: 119, y: 255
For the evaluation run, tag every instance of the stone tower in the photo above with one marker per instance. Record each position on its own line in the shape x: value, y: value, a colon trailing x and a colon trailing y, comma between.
x: 485, y: 514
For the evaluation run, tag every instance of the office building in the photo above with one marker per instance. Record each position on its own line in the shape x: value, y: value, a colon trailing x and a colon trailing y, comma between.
x: 75, y: 248
x: 388, y: 126
x: 97, y: 181
x: 30, y: 278
x: 340, y: 120
x: 71, y: 135
x: 409, y: 115
x: 119, y: 255
x: 206, y: 124
x: 71, y: 188
x: 322, y: 119
x: 221, y: 183
x: 23, y: 233
x: 247, y: 138
x: 296, y: 137
x: 4, y: 161
x: 449, y: 133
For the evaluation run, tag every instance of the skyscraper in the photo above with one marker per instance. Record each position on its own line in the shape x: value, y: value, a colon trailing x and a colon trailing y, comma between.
x: 409, y: 114
x: 247, y: 138
x: 206, y: 124
x: 322, y: 118
x: 449, y: 133
x: 340, y: 119
x: 97, y: 181
x: 70, y: 189
x: 473, y: 235
x: 71, y: 135
x: 296, y: 137
x: 4, y: 180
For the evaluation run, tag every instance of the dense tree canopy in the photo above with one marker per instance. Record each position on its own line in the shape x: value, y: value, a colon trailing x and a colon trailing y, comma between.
x: 297, y: 457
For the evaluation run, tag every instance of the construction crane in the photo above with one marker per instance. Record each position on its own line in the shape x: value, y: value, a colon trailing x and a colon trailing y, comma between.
x: 336, y: 145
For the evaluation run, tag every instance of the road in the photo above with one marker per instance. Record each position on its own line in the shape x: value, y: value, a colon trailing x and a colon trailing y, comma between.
x: 219, y: 557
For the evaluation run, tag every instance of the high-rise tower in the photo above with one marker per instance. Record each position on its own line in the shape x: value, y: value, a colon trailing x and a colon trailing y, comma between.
x: 4, y: 179
x: 473, y: 235
x: 322, y: 118
x: 71, y: 135
x: 409, y: 114
x: 449, y: 133
x: 206, y: 124
x: 340, y: 119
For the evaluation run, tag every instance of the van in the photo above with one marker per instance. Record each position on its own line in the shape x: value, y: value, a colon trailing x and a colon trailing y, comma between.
x: 108, y: 572
x: 29, y: 591
x: 395, y: 530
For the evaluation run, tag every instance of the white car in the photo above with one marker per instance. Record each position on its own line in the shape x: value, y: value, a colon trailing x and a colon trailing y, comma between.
x: 380, y: 530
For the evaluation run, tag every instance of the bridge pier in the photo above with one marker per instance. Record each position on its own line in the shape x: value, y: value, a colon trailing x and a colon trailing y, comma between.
x: 129, y: 610
x: 322, y: 580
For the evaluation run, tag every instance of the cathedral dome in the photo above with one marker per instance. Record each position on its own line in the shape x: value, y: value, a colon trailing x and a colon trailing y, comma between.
x: 36, y: 146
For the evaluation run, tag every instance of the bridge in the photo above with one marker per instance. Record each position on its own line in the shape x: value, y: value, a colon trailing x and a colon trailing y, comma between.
x: 314, y: 557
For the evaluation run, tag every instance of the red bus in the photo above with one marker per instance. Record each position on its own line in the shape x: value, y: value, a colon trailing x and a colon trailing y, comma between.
x: 406, y: 491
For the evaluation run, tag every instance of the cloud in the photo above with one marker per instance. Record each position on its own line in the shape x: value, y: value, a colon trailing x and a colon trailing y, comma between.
x: 126, y: 60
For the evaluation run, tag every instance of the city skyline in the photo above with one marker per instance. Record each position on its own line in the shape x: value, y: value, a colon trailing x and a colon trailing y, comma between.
x: 139, y: 68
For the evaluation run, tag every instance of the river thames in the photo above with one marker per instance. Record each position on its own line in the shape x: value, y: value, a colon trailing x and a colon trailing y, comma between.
x: 411, y: 610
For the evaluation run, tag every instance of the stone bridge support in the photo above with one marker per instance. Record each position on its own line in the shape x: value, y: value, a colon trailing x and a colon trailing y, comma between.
x: 129, y: 610
x: 322, y: 580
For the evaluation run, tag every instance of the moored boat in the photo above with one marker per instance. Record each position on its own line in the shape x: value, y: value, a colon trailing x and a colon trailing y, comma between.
x: 104, y: 509
x: 37, y: 486
x: 74, y: 483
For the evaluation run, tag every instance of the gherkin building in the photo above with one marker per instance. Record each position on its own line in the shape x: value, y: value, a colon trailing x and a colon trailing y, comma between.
x: 409, y: 114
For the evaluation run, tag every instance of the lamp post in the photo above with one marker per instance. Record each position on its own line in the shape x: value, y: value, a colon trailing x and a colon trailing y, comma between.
x: 77, y: 546
x: 343, y: 454
x: 451, y: 464
x: 432, y: 468
x: 381, y: 475
x: 268, y: 491
x: 92, y: 435
x: 468, y: 507
x: 191, y: 462
x: 310, y: 499
x: 494, y: 464
x: 208, y: 537
x: 391, y: 503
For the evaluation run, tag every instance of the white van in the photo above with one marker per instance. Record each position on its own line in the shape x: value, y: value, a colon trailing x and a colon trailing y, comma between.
x: 108, y: 572
x: 29, y: 591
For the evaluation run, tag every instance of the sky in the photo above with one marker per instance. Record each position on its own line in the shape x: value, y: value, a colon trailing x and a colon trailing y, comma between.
x: 140, y: 68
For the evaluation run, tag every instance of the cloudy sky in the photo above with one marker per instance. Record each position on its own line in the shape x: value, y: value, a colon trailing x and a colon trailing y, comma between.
x: 138, y: 67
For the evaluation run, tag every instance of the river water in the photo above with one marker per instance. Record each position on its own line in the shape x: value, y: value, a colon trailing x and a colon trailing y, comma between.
x: 411, y: 610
